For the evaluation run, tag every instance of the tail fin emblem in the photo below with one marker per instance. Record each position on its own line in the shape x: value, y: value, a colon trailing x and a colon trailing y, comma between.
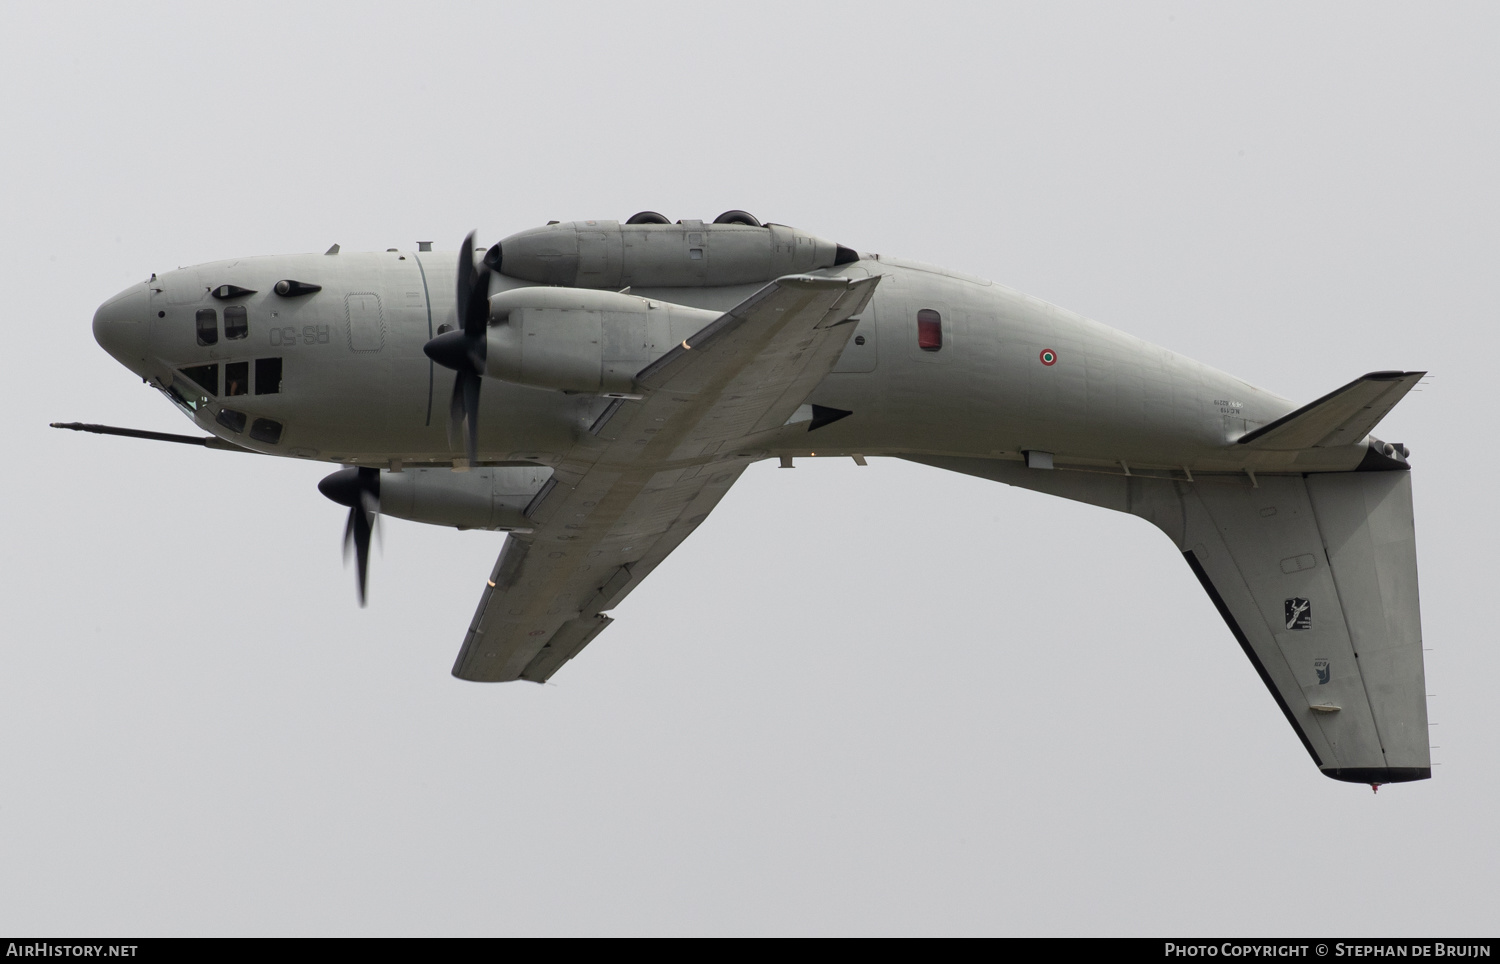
x: 1298, y: 614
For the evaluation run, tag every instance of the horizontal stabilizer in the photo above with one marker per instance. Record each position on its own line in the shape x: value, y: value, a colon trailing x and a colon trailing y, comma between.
x: 1342, y: 417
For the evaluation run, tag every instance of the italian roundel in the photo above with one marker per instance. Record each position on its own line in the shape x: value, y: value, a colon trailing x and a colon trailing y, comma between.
x: 1048, y: 357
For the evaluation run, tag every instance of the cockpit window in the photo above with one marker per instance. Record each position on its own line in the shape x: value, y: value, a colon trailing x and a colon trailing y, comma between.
x: 236, y: 322
x: 267, y: 376
x: 208, y: 326
x: 188, y: 403
x: 929, y: 330
x: 236, y: 377
x: 204, y: 377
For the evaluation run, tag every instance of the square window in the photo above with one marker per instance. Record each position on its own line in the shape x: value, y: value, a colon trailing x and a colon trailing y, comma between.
x: 237, y: 378
x: 205, y: 379
x: 267, y: 376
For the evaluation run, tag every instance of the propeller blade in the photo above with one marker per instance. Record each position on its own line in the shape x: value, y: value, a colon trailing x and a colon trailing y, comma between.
x: 348, y: 536
x: 463, y: 349
x: 456, y: 411
x: 473, y: 302
x: 465, y: 280
x: 359, y: 489
x: 471, y: 412
x: 358, y: 531
x: 463, y: 413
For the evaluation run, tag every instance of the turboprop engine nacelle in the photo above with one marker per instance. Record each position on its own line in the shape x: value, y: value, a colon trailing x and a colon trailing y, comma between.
x: 689, y: 254
x: 577, y: 340
x: 487, y: 498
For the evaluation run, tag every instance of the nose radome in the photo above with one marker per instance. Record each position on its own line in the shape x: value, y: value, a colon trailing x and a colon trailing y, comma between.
x: 122, y: 326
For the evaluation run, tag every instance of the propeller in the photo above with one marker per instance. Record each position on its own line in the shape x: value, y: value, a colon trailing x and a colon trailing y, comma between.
x: 359, y: 489
x: 463, y: 348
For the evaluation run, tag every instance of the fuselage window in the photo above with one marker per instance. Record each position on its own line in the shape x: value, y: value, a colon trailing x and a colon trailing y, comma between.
x: 266, y: 430
x: 208, y: 326
x: 188, y: 402
x: 230, y: 419
x: 929, y: 330
x: 267, y: 376
x: 236, y: 322
x: 237, y: 378
x: 205, y: 378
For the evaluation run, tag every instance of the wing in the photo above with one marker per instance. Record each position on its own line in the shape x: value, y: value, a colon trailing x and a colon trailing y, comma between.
x: 650, y: 470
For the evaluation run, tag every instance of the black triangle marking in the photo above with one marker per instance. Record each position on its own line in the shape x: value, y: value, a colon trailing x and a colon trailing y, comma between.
x: 824, y: 416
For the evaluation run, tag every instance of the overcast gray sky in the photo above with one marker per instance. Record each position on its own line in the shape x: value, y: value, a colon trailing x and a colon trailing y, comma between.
x: 882, y: 700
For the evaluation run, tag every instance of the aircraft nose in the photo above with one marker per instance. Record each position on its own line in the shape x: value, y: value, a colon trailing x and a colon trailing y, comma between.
x: 122, y: 325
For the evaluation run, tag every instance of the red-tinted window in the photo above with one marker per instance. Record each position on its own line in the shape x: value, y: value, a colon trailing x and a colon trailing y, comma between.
x: 929, y: 330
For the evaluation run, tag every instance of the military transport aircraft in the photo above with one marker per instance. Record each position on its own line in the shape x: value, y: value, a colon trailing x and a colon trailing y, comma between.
x: 594, y: 388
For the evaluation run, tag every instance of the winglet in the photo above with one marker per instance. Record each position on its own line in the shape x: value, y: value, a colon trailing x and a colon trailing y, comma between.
x: 1342, y: 417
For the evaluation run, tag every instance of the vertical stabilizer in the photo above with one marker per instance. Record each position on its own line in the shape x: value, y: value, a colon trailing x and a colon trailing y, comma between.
x: 1316, y: 577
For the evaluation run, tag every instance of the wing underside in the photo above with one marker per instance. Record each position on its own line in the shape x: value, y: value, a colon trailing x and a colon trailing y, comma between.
x: 650, y: 470
x: 545, y: 599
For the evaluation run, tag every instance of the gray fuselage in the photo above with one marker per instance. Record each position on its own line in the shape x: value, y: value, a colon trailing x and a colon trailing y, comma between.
x: 1001, y: 373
